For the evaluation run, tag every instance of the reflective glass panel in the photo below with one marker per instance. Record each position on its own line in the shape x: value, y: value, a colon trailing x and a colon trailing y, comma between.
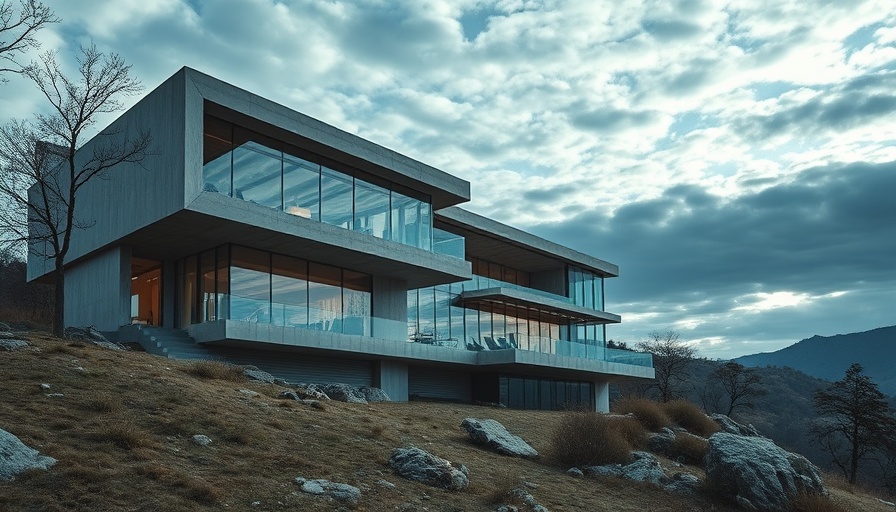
x: 324, y: 297
x: 257, y: 169
x: 289, y: 291
x: 217, y: 144
x: 356, y: 302
x: 335, y: 198
x: 250, y: 285
x: 301, y: 187
x: 372, y: 210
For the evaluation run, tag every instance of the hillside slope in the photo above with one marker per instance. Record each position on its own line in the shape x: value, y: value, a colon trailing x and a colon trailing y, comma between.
x: 828, y: 357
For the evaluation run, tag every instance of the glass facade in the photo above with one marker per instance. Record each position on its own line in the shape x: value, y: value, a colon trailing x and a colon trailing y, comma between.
x: 239, y: 283
x: 247, y: 165
x: 585, y: 288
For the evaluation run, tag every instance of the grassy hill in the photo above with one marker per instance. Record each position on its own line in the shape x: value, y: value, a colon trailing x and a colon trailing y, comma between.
x: 121, y: 433
x: 829, y: 357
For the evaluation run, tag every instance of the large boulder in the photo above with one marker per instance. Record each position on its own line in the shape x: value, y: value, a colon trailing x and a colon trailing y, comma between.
x: 340, y: 492
x: 757, y: 473
x: 732, y: 427
x: 372, y: 394
x: 16, y: 458
x: 11, y: 344
x: 343, y: 393
x: 422, y: 466
x: 493, y: 435
x: 91, y: 334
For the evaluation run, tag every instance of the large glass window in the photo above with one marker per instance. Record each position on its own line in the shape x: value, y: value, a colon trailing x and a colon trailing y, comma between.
x: 247, y: 165
x: 289, y: 291
x: 250, y: 285
x: 301, y: 187
x: 336, y: 198
x: 256, y: 169
x: 356, y: 302
x: 207, y: 284
x: 324, y: 298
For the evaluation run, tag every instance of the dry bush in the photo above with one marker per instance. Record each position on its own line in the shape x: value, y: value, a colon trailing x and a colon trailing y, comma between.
x: 216, y: 370
x: 805, y: 502
x: 648, y: 412
x: 588, y: 439
x: 125, y: 435
x: 690, y: 417
x: 632, y: 431
x: 688, y: 448
x: 102, y: 403
x: 503, y: 484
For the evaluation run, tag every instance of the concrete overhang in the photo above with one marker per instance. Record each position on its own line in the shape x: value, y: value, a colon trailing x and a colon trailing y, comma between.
x: 265, y: 116
x: 212, y: 220
x: 485, y: 298
x: 493, y: 241
x: 238, y: 334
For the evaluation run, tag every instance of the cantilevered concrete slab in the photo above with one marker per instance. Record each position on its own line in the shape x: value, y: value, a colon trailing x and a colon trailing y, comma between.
x: 493, y: 241
x: 476, y: 299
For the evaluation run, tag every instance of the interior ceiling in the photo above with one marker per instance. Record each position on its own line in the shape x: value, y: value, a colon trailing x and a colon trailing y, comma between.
x: 514, y: 255
x: 143, y: 265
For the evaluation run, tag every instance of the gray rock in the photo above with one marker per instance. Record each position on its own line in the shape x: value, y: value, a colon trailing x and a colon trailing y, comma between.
x: 385, y: 484
x: 311, y: 391
x: 757, y: 473
x: 606, y: 470
x: 92, y: 335
x: 16, y: 457
x: 422, y: 466
x: 575, y: 472
x: 259, y: 375
x: 289, y: 395
x: 248, y: 392
x: 493, y: 435
x: 342, y: 492
x: 343, y: 393
x: 201, y: 440
x: 372, y: 394
x: 523, y: 495
x: 44, y: 386
x: 732, y: 427
x: 55, y: 395
x: 645, y: 468
x: 661, y: 442
x: 6, y: 335
x: 10, y: 344
x: 683, y: 483
x: 5, y: 327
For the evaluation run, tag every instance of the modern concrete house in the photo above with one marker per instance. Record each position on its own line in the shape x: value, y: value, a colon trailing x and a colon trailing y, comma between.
x: 262, y: 236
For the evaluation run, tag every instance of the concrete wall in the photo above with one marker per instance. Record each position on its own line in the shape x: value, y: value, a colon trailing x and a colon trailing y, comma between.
x: 134, y: 195
x: 97, y: 290
x: 392, y: 377
x: 602, y: 396
x: 390, y: 302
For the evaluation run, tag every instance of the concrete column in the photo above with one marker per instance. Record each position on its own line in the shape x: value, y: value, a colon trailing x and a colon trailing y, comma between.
x: 392, y: 377
x: 602, y: 396
x: 168, y: 293
x: 390, y: 308
x: 98, y: 290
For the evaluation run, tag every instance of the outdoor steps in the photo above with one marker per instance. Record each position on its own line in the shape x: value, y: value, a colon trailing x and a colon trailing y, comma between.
x: 170, y: 343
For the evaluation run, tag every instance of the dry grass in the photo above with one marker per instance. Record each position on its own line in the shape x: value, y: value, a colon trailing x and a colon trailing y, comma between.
x: 688, y: 449
x: 583, y: 438
x: 690, y: 417
x: 648, y: 412
x: 216, y: 370
x: 805, y: 502
x: 258, y: 447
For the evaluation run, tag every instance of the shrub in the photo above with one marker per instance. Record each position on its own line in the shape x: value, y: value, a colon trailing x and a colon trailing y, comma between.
x: 690, y: 417
x: 125, y: 435
x: 588, y: 439
x: 632, y: 431
x: 688, y: 448
x: 805, y: 502
x: 648, y: 412
x: 216, y: 370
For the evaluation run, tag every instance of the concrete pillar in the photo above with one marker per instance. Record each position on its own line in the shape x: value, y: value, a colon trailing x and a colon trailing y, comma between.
x: 390, y: 308
x: 168, y: 293
x: 392, y: 377
x: 98, y: 290
x: 602, y: 396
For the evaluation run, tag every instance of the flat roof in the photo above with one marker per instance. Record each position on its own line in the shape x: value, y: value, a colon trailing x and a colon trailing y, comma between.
x: 494, y: 241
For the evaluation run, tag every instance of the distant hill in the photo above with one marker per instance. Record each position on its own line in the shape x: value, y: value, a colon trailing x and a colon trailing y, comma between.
x: 828, y: 357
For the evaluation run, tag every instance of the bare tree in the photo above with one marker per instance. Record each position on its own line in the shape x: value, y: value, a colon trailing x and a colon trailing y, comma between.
x: 736, y: 383
x: 671, y: 359
x: 17, y: 29
x: 856, y: 421
x: 44, y: 167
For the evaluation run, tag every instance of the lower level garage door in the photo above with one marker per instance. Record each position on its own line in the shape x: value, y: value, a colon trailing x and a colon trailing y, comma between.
x: 296, y: 367
x: 429, y: 382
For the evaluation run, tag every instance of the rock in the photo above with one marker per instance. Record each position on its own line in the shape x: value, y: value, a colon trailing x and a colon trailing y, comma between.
x: 645, y: 468
x: 10, y: 344
x: 259, y: 375
x: 385, y: 484
x: 732, y: 427
x: 757, y: 473
x: 493, y: 435
x: 372, y: 394
x: 422, y: 466
x: 16, y: 457
x: 91, y: 334
x: 343, y: 393
x: 575, y: 472
x: 522, y: 496
x: 606, y: 470
x: 201, y: 440
x: 683, y: 483
x: 661, y: 442
x: 289, y: 395
x: 311, y: 391
x: 55, y: 395
x: 342, y: 492
x: 44, y: 386
x: 248, y: 392
x: 5, y: 327
x: 6, y: 335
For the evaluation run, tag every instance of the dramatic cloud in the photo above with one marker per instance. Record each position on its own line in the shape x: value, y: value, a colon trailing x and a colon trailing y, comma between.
x: 735, y: 158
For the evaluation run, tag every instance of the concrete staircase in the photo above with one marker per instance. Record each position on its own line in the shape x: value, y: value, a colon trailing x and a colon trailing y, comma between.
x: 170, y: 343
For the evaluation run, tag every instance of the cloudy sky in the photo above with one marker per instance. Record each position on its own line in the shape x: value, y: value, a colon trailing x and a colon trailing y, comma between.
x: 736, y: 159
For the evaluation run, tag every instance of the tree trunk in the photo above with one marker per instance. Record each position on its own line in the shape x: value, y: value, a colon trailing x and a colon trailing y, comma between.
x: 59, y: 305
